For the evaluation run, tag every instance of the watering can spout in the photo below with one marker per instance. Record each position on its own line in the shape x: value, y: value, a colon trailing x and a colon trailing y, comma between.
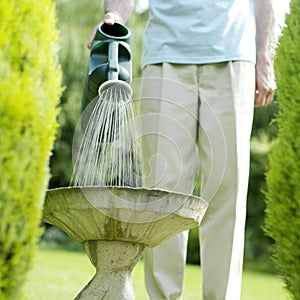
x: 119, y: 84
x: 110, y: 60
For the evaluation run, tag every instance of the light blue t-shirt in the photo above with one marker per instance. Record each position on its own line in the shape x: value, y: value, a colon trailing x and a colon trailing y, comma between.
x: 199, y: 31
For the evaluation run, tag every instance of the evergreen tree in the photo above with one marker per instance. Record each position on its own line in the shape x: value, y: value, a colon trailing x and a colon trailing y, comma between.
x: 283, y: 176
x: 30, y: 82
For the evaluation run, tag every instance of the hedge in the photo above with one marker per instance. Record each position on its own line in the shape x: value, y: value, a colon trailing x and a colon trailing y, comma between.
x: 30, y: 87
x: 283, y: 176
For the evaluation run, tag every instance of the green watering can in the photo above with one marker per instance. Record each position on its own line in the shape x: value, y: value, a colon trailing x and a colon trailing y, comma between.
x: 110, y: 61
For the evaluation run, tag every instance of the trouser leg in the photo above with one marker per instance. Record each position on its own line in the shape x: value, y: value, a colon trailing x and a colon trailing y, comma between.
x: 164, y: 268
x: 169, y: 123
x: 227, y: 93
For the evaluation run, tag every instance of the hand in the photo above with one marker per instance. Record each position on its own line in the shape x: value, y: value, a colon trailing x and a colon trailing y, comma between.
x: 110, y: 19
x: 265, y: 80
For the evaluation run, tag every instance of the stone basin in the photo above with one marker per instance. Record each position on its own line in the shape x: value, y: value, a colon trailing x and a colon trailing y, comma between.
x: 116, y: 224
x: 139, y: 215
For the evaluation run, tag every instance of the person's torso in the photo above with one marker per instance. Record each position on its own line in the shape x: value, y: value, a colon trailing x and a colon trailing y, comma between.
x: 199, y: 31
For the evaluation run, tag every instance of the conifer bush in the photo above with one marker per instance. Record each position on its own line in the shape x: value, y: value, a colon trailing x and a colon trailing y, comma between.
x: 283, y: 176
x: 30, y: 87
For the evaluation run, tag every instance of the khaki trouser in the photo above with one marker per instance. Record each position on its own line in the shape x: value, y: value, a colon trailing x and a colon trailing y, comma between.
x: 199, y: 115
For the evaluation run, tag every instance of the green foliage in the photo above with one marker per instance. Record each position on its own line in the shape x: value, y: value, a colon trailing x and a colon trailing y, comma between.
x: 193, y: 250
x: 54, y: 238
x: 257, y: 244
x: 75, y: 21
x: 283, y: 177
x: 30, y: 88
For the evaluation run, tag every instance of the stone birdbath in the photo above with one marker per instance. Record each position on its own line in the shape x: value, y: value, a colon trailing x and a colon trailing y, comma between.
x: 115, y: 224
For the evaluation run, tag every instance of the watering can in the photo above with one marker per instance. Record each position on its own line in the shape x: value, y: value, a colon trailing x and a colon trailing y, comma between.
x: 110, y: 61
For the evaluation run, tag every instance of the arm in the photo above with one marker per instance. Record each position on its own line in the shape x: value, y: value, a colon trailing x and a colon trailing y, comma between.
x: 265, y: 45
x: 115, y: 11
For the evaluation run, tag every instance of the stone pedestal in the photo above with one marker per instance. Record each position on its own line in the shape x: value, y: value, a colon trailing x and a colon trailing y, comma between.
x: 115, y: 224
x: 114, y: 262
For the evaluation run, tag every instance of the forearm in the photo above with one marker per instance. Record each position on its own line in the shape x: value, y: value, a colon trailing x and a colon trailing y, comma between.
x: 265, y: 26
x: 265, y: 47
x: 121, y: 9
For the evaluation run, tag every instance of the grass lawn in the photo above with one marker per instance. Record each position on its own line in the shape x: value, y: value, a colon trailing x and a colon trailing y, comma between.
x: 60, y: 275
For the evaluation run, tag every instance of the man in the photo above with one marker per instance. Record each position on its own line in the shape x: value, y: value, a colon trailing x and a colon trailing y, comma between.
x: 206, y: 64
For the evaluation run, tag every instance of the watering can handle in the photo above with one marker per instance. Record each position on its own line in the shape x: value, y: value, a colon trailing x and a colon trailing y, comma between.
x: 113, y: 55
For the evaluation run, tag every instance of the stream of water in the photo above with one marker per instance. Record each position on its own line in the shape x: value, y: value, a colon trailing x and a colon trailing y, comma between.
x: 109, y: 150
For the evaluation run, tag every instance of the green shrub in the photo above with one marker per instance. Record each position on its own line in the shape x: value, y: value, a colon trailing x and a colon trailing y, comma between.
x: 30, y: 81
x: 283, y: 176
x: 193, y: 248
x: 257, y: 245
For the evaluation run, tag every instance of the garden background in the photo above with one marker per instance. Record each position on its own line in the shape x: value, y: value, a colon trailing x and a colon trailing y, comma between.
x: 27, y: 134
